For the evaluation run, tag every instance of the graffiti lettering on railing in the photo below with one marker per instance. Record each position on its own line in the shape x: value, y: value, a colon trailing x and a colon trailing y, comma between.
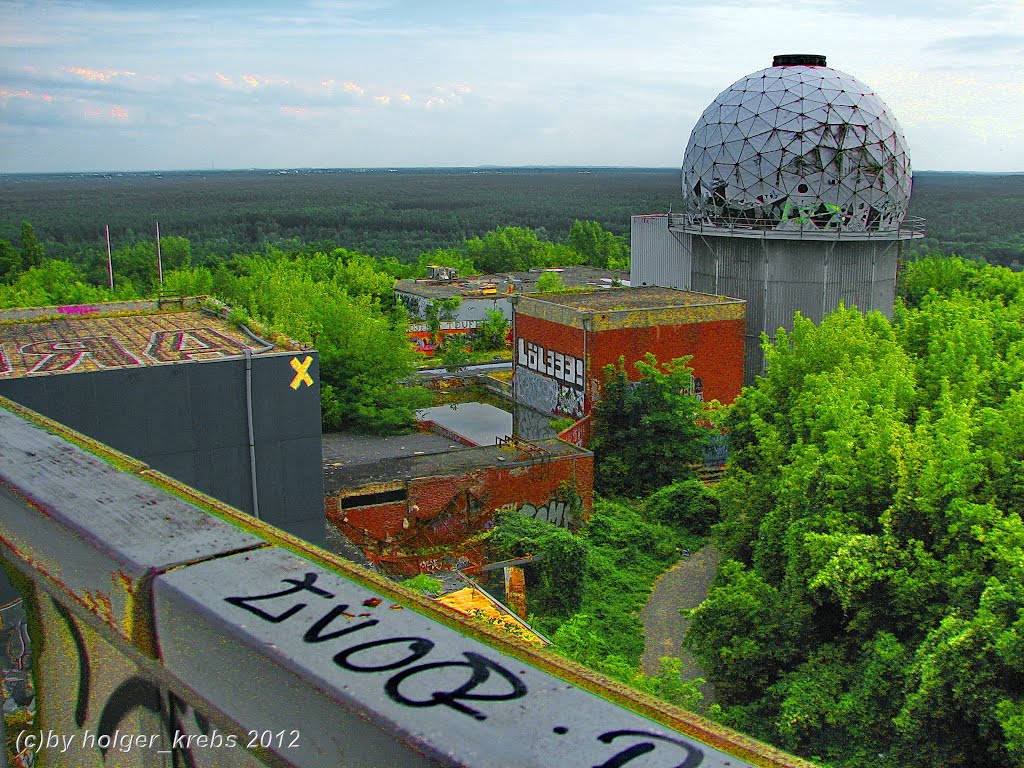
x: 180, y: 728
x: 366, y: 658
x: 694, y: 757
x: 480, y: 670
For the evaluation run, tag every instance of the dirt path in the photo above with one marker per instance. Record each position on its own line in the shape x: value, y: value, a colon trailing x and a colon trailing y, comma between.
x: 683, y: 586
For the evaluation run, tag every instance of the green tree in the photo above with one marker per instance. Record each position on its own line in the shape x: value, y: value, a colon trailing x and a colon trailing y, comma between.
x: 189, y: 282
x: 872, y: 535
x: 440, y: 311
x: 364, y: 353
x: 493, y: 330
x: 454, y: 355
x: 688, y: 504
x: 646, y: 434
x: 32, y: 253
x: 555, y: 584
x: 550, y: 282
x: 595, y: 245
x: 10, y: 262
x: 57, y: 283
x: 508, y: 249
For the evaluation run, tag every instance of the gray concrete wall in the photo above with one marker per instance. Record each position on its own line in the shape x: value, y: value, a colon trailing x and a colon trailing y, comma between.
x: 189, y: 421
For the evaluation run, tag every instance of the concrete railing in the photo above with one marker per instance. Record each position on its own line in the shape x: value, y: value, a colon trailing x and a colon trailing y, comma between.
x: 170, y: 630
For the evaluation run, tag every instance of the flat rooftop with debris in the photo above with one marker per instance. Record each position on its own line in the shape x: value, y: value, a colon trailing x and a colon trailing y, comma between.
x: 644, y: 297
x: 88, y: 338
x: 343, y: 473
x: 521, y: 282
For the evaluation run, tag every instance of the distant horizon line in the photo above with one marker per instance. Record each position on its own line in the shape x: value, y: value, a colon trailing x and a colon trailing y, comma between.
x: 397, y: 168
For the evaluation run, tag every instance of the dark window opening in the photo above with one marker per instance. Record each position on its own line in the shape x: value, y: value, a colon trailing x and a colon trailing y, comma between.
x: 369, y: 499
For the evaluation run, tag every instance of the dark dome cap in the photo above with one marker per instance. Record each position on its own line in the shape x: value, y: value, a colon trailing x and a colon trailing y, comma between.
x: 798, y: 60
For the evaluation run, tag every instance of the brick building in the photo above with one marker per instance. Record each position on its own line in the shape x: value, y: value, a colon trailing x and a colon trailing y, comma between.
x: 563, y: 341
x: 481, y: 293
x: 424, y: 513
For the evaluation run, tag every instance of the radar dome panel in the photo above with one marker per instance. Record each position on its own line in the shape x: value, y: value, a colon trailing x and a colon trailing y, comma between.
x: 797, y: 147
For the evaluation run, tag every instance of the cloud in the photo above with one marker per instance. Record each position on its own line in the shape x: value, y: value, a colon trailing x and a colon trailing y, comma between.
x: 97, y: 75
x: 24, y: 94
x: 990, y: 45
x: 511, y: 81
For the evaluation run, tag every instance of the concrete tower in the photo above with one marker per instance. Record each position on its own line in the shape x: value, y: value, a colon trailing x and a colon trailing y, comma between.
x: 796, y: 181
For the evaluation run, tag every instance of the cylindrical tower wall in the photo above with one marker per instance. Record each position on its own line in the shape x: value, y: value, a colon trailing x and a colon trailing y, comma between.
x: 780, y: 277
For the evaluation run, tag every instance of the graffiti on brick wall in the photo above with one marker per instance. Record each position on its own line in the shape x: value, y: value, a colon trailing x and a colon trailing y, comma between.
x: 564, y: 368
x: 555, y: 512
x: 446, y: 325
x: 547, y: 395
x: 570, y: 401
x: 538, y: 392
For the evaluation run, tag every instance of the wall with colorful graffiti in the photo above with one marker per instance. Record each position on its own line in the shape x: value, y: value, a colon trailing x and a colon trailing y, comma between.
x: 435, y: 525
x: 80, y: 342
x: 559, y: 368
x: 550, y: 370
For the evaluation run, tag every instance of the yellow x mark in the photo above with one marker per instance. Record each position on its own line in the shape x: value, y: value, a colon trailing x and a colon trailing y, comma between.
x: 301, y: 375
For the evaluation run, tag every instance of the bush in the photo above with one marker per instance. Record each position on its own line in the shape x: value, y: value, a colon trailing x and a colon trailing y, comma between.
x: 555, y: 584
x: 425, y: 585
x: 687, y: 504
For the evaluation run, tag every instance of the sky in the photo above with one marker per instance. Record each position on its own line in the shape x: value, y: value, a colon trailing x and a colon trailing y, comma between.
x: 134, y: 86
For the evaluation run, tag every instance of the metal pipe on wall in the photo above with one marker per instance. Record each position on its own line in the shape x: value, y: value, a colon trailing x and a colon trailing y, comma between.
x: 252, y: 435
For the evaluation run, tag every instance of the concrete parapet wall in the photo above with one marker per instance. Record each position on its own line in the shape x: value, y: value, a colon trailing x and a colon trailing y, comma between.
x: 170, y: 630
x: 106, y: 307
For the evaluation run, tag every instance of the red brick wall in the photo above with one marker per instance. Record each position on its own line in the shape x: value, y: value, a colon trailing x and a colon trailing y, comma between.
x: 554, y: 336
x: 716, y: 346
x: 435, y: 527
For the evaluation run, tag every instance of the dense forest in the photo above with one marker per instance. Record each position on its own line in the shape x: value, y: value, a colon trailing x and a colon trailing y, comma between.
x: 403, y: 213
x: 869, y: 610
x: 399, y: 213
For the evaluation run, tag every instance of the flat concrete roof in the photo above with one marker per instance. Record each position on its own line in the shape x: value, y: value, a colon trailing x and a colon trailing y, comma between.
x: 645, y: 297
x: 86, y: 338
x: 349, y: 448
x: 343, y: 473
x: 523, y: 282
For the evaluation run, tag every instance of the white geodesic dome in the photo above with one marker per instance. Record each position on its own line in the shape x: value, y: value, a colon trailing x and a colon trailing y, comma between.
x: 795, y: 147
